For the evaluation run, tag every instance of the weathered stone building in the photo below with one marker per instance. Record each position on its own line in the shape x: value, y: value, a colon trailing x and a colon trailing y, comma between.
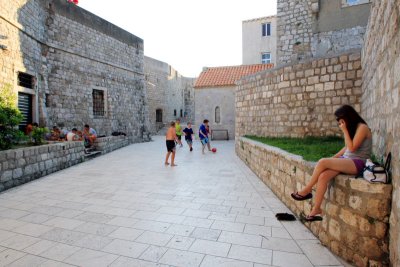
x: 315, y: 28
x: 298, y: 100
x: 259, y: 41
x: 169, y: 94
x: 71, y: 67
x: 215, y: 96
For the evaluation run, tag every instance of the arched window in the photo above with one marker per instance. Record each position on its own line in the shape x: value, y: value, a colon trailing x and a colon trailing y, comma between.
x: 159, y: 115
x: 217, y: 115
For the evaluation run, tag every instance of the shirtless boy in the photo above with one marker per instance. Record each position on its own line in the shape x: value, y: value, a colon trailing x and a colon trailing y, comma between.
x: 170, y: 141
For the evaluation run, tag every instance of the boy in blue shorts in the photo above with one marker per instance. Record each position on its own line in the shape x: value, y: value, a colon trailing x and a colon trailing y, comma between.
x: 188, y: 131
x: 203, y: 135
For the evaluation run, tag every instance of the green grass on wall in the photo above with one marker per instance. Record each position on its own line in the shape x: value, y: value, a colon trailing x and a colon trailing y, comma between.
x: 310, y: 148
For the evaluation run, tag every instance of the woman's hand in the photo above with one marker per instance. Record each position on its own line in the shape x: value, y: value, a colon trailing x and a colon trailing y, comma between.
x: 342, y: 125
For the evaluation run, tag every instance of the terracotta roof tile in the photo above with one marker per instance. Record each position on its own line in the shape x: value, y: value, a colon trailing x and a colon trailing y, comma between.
x: 227, y: 76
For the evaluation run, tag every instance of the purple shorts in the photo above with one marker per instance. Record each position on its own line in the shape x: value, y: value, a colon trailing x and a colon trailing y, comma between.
x: 360, y: 164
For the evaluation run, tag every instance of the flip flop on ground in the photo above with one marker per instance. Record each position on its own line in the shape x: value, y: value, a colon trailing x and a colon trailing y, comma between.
x: 285, y: 217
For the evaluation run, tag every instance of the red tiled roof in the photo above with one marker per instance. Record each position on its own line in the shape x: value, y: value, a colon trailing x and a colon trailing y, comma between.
x: 227, y: 76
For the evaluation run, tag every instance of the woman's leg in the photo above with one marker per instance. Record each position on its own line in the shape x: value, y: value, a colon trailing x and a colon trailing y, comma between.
x: 340, y: 165
x: 322, y: 185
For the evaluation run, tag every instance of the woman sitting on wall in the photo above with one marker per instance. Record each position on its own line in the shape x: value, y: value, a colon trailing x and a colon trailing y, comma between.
x: 350, y: 160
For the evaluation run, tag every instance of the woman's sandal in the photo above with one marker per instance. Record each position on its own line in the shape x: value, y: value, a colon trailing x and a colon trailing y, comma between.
x: 298, y: 197
x: 311, y: 218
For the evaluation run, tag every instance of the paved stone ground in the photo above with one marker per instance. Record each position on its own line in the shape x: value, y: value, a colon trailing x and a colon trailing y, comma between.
x: 127, y: 209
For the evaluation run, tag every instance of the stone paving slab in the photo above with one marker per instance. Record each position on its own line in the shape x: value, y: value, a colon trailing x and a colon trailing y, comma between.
x: 127, y: 209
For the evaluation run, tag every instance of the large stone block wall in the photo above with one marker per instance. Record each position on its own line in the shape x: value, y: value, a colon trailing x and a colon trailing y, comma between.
x: 22, y: 33
x: 298, y: 100
x: 318, y: 28
x: 18, y: 166
x: 294, y: 33
x: 167, y: 90
x: 72, y: 52
x: 356, y: 213
x: 380, y: 102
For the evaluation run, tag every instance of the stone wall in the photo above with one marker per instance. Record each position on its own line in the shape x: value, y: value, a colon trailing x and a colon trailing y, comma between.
x: 71, y: 52
x: 110, y: 143
x: 169, y: 91
x: 295, y: 24
x: 356, y: 213
x: 380, y: 102
x: 18, y: 166
x: 319, y: 28
x: 335, y: 42
x: 298, y: 100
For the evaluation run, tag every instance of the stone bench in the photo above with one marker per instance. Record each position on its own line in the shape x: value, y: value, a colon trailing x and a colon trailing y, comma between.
x: 110, y: 143
x: 356, y: 213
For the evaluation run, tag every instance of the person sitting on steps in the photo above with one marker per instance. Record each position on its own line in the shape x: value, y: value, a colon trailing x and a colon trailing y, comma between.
x: 89, y: 135
x: 349, y: 160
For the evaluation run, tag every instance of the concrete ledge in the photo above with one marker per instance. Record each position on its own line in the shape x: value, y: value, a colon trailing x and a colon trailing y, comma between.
x: 19, y: 166
x: 356, y: 213
x: 111, y: 143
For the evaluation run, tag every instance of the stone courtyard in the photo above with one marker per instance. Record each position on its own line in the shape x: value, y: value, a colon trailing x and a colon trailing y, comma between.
x: 127, y: 209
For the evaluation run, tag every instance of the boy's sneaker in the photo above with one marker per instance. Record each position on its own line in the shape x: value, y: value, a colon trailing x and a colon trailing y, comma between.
x: 191, y: 149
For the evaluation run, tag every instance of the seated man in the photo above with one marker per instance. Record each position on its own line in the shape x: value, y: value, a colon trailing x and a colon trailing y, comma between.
x: 90, y: 135
x: 55, y: 134
x: 73, y: 135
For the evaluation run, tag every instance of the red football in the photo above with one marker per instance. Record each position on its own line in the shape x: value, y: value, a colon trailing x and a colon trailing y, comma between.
x: 214, y: 150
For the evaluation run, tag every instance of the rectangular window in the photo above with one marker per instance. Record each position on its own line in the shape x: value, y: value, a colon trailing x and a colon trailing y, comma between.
x: 266, y: 29
x: 347, y: 3
x: 181, y: 113
x: 26, y: 80
x: 25, y: 107
x: 266, y: 58
x: 159, y: 115
x: 98, y: 103
x: 175, y: 112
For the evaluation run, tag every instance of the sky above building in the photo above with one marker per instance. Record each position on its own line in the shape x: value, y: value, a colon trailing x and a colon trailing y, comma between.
x: 186, y: 34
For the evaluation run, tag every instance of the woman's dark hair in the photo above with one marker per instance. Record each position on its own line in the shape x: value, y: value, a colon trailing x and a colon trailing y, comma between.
x: 351, y: 117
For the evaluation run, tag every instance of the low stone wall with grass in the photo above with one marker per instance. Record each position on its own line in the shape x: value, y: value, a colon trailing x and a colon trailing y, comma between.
x: 356, y: 213
x: 111, y: 143
x: 19, y: 166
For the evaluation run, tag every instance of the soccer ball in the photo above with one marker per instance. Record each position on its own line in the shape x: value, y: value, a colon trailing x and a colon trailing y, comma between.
x: 214, y: 150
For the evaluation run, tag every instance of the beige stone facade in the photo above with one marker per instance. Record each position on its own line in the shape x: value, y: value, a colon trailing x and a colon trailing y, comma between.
x: 298, y: 100
x: 259, y: 39
x: 381, y: 95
